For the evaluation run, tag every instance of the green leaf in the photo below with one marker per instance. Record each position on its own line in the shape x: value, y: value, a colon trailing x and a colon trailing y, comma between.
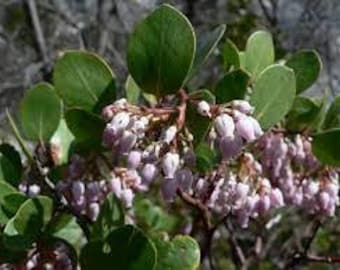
x: 273, y: 94
x: 81, y: 78
x: 65, y: 227
x: 161, y: 51
x: 303, y: 114
x: 12, y: 155
x: 5, y: 189
x: 15, y: 241
x: 231, y: 56
x: 205, y: 46
x: 125, y: 248
x: 332, y: 119
x: 40, y: 112
x: 132, y: 91
x: 232, y: 86
x: 242, y: 57
x: 8, y: 172
x: 61, y: 142
x: 197, y: 124
x: 12, y: 202
x: 326, y: 147
x: 86, y: 127
x: 259, y: 52
x: 169, y: 252
x: 151, y: 217
x: 307, y: 66
x: 205, y: 157
x: 32, y: 216
x: 110, y: 217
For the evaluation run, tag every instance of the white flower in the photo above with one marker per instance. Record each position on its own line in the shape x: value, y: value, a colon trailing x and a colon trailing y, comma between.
x: 170, y: 164
x: 203, y: 108
x: 170, y: 134
x: 224, y: 125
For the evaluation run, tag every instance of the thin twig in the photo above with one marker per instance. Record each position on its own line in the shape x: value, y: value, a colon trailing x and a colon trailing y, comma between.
x: 32, y: 7
x: 234, y: 243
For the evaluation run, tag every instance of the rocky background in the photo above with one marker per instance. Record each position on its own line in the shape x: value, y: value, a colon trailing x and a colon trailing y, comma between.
x: 33, y: 32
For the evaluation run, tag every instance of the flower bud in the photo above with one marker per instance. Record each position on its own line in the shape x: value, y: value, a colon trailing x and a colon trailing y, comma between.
x: 324, y: 200
x: 245, y: 128
x: 127, y: 197
x: 170, y: 134
x: 241, y: 191
x: 115, y: 186
x: 148, y: 173
x: 230, y: 146
x: 127, y: 141
x: 256, y: 125
x: 276, y: 198
x: 189, y: 158
x: 78, y: 190
x: 170, y: 164
x: 203, y: 108
x: 184, y: 179
x: 120, y: 121
x: 224, y: 125
x: 169, y: 188
x: 243, y: 106
x: 33, y: 190
x: 93, y: 211
x: 263, y: 204
x: 134, y: 159
x: 120, y: 103
x: 109, y: 135
x: 93, y: 192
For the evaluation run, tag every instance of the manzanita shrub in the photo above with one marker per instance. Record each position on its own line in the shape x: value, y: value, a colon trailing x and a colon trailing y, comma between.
x: 154, y: 178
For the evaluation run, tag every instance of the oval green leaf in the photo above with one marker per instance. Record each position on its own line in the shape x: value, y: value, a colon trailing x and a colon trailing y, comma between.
x: 332, y: 119
x: 326, y: 147
x: 303, y: 114
x: 132, y: 90
x: 259, y: 52
x: 161, y: 51
x: 10, y: 164
x: 205, y: 46
x: 86, y: 127
x: 81, y: 78
x: 307, y: 66
x: 273, y: 94
x: 183, y: 247
x: 230, y: 54
x: 40, y: 112
x: 125, y: 248
x: 232, y: 86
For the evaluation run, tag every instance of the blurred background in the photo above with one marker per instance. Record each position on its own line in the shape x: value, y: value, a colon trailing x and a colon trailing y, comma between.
x: 33, y: 32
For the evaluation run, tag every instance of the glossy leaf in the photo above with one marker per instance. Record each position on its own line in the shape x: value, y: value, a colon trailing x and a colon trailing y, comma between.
x: 110, y: 217
x: 232, y: 86
x: 307, y: 66
x: 161, y: 51
x: 259, y: 52
x: 152, y: 217
x: 81, y: 78
x: 205, y: 46
x: 65, y: 227
x: 125, y: 248
x: 303, y: 115
x: 61, y: 142
x: 132, y: 90
x: 273, y: 95
x: 205, y: 157
x: 332, y: 119
x: 12, y: 202
x: 231, y: 56
x: 12, y: 155
x: 5, y: 189
x: 326, y: 147
x: 40, y: 112
x: 183, y: 247
x: 86, y: 127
